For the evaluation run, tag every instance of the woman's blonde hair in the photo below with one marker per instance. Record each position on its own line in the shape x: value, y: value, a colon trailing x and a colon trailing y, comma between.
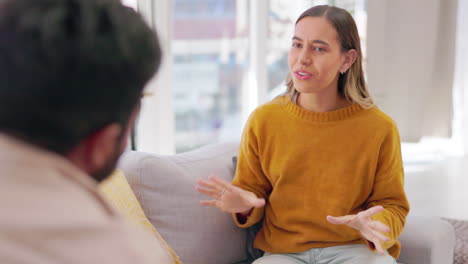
x: 351, y: 84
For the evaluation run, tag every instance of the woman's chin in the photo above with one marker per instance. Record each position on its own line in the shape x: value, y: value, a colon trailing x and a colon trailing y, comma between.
x: 302, y: 89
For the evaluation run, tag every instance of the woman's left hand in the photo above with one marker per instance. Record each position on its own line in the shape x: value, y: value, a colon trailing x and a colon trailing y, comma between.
x: 370, y: 229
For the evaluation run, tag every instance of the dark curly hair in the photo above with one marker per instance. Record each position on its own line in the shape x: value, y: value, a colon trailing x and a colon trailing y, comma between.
x: 71, y: 67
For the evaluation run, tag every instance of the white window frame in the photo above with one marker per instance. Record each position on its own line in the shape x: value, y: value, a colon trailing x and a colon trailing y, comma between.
x: 156, y: 124
x: 460, y: 94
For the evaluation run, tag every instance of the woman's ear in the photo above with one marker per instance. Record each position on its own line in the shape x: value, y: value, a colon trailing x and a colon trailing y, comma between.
x: 349, y: 58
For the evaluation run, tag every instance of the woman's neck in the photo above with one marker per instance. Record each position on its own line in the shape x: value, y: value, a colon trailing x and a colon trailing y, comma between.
x: 321, y: 102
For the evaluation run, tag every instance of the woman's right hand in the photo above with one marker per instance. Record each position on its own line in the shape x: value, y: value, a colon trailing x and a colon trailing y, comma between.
x: 227, y: 197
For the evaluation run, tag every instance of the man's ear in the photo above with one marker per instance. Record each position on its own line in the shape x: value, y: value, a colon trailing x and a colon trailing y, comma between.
x: 94, y: 151
x: 102, y: 145
x: 349, y: 58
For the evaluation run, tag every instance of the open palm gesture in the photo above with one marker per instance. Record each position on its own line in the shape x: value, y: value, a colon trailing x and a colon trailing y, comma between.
x: 227, y: 197
x: 370, y: 229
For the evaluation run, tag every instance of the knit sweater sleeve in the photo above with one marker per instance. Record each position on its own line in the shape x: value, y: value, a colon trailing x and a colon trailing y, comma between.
x: 388, y: 190
x: 249, y: 174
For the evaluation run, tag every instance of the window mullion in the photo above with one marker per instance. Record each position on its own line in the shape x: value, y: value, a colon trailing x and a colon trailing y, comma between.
x: 155, y: 131
x: 255, y: 90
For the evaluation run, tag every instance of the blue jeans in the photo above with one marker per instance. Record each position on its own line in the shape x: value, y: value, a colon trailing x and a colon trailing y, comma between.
x: 348, y: 254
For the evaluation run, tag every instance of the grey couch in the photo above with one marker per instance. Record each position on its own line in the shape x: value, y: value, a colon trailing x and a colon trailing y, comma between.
x: 164, y: 185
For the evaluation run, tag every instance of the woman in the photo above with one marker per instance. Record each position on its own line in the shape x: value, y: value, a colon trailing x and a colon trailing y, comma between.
x: 320, y: 166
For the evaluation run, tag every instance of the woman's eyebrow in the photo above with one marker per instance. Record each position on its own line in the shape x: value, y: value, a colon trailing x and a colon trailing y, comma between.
x: 313, y: 41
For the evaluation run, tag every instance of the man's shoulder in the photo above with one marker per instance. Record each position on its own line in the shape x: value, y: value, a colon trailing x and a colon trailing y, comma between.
x: 110, y: 243
x: 50, y: 195
x: 58, y: 219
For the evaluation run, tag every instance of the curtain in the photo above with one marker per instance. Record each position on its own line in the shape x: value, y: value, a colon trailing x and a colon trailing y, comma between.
x: 461, y: 79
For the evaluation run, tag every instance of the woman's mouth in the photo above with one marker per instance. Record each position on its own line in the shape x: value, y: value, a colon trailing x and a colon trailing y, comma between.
x: 303, y: 75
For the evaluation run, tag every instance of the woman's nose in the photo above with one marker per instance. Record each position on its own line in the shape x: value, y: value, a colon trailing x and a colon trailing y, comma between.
x: 304, y: 58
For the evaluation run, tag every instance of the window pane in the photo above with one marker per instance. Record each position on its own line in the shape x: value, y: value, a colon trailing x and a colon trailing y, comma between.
x: 210, y: 56
x: 282, y: 17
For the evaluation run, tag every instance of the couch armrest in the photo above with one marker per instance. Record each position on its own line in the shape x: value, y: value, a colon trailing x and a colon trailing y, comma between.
x: 428, y: 240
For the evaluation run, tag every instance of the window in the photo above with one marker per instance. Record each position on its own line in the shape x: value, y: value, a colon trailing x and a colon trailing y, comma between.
x: 210, y: 61
x: 226, y: 57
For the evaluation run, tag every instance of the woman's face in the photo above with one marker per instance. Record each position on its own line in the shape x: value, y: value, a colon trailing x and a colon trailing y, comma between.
x: 315, y: 58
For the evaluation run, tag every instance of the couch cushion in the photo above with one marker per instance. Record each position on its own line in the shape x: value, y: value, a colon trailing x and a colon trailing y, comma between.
x: 428, y: 240
x: 164, y: 185
x: 117, y: 190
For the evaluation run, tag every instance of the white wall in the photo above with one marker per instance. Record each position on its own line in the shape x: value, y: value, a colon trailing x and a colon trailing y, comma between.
x: 410, y: 63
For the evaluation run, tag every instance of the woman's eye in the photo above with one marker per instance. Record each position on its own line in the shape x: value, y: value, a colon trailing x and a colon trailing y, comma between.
x: 319, y: 49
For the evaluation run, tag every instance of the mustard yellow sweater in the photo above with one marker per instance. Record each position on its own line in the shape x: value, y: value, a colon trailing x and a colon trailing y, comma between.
x: 309, y: 165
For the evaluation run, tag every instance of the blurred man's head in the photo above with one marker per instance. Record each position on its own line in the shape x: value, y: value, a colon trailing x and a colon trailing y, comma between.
x: 72, y: 74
